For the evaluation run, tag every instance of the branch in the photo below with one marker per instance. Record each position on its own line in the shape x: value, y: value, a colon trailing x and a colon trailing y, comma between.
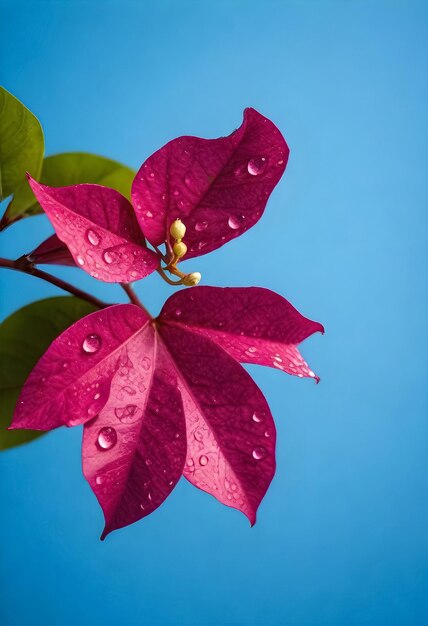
x: 22, y: 265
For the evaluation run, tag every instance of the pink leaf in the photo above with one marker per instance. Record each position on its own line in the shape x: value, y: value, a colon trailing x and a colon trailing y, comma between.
x: 134, y: 451
x: 98, y: 226
x: 252, y: 324
x: 230, y: 430
x: 53, y: 252
x: 167, y: 396
x: 71, y: 382
x: 217, y: 187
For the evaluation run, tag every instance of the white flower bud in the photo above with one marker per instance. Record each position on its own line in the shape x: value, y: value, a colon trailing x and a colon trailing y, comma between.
x: 192, y: 279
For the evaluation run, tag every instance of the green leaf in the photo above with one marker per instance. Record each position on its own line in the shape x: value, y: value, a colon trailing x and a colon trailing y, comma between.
x: 70, y: 168
x: 21, y: 143
x: 24, y: 337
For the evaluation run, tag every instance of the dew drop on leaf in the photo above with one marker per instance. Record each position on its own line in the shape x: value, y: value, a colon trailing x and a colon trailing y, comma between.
x: 127, y: 414
x: 259, y: 453
x: 146, y: 363
x: 109, y: 256
x: 80, y: 260
x: 256, y: 165
x: 99, y: 480
x: 257, y: 417
x: 234, y: 222
x: 178, y: 311
x: 92, y: 237
x: 200, y: 226
x: 203, y: 460
x: 91, y: 344
x: 107, y: 438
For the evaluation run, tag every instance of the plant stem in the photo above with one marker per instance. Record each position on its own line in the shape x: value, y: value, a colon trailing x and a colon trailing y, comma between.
x: 25, y: 267
x: 127, y: 288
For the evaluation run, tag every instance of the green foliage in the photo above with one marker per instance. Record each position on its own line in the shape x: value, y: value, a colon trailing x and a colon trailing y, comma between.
x: 24, y: 337
x: 21, y: 143
x: 70, y: 168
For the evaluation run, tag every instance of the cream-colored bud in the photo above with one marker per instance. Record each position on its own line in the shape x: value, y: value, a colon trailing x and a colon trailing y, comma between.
x: 192, y: 279
x: 179, y: 249
x: 177, y: 229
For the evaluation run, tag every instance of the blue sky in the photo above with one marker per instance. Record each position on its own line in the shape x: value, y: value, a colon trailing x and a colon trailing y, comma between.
x: 341, y: 536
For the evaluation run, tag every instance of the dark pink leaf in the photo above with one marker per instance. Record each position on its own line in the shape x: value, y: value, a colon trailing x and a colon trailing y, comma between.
x: 134, y: 451
x: 161, y: 397
x: 252, y: 324
x: 230, y: 430
x: 53, y: 252
x: 217, y: 187
x: 99, y: 228
x: 71, y: 382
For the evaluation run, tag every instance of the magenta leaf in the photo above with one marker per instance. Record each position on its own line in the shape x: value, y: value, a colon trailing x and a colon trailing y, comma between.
x: 163, y: 397
x: 230, y: 430
x: 252, y: 324
x: 217, y: 187
x: 99, y: 228
x: 52, y: 252
x: 71, y: 382
x: 134, y: 452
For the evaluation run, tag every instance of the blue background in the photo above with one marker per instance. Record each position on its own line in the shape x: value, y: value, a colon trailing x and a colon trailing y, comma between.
x: 341, y: 536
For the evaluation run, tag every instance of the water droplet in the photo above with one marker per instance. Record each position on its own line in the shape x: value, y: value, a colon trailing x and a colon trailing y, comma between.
x: 110, y: 256
x: 146, y: 363
x: 280, y: 162
x: 92, y: 237
x: 203, y: 460
x: 107, y: 438
x: 127, y: 414
x: 257, y: 417
x: 99, y: 480
x: 178, y: 311
x: 251, y: 352
x: 198, y: 435
x: 267, y: 433
x: 256, y: 165
x: 190, y: 462
x: 259, y: 453
x: 97, y: 396
x: 80, y: 260
x: 199, y: 226
x: 149, y: 214
x: 91, y: 344
x: 234, y: 222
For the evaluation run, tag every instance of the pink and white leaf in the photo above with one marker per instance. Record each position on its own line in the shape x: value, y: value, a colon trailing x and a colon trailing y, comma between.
x: 134, y: 451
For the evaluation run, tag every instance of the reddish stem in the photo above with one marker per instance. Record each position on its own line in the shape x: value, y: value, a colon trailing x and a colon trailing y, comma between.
x: 22, y: 265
